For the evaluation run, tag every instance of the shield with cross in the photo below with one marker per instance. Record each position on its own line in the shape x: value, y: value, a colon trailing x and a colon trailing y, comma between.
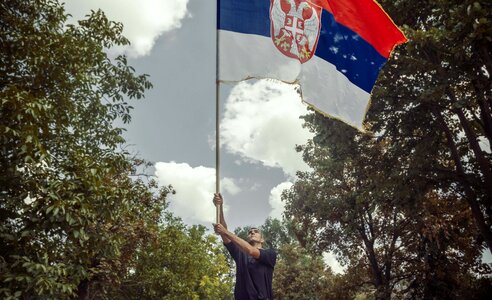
x: 295, y: 27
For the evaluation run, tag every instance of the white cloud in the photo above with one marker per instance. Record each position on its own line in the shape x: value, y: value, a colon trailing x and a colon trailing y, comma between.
x: 144, y: 20
x: 330, y: 259
x: 261, y: 124
x: 484, y: 145
x: 486, y: 257
x: 275, y: 200
x: 194, y: 190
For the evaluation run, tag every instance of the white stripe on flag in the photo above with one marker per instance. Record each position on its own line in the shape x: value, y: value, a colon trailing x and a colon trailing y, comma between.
x: 244, y: 56
x: 330, y: 92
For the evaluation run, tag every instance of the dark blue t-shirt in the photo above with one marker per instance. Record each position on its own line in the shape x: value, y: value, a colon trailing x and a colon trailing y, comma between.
x: 253, y: 276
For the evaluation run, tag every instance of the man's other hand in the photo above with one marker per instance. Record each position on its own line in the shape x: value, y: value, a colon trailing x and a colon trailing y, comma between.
x: 220, y: 229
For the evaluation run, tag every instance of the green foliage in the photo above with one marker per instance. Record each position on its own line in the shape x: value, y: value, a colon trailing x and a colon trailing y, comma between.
x: 439, y: 88
x: 300, y: 275
x: 74, y: 219
x: 403, y: 207
x: 181, y: 263
x: 276, y: 233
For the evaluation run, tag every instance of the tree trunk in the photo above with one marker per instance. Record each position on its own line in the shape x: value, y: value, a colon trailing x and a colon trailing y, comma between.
x: 83, y: 290
x: 482, y: 161
x: 383, y: 291
x: 485, y: 111
x: 470, y: 195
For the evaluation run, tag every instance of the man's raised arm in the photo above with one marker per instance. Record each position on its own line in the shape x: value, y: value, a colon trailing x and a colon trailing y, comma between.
x: 242, y: 244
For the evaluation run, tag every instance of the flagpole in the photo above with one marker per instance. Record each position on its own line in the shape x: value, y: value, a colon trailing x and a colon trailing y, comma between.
x: 217, y: 114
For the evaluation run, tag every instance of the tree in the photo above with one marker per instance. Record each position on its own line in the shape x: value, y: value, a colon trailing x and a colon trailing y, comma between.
x: 75, y: 218
x: 182, y: 262
x: 438, y: 88
x: 299, y: 275
x: 73, y: 221
x: 346, y: 205
x: 370, y: 207
x: 370, y: 198
x: 70, y: 215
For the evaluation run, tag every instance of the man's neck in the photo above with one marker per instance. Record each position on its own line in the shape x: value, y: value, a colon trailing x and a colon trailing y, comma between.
x: 256, y: 245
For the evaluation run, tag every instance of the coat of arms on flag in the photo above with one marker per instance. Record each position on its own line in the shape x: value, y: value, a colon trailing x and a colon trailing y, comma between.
x: 295, y: 26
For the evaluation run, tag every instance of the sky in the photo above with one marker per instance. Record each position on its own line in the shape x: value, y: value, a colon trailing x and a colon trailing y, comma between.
x: 174, y: 42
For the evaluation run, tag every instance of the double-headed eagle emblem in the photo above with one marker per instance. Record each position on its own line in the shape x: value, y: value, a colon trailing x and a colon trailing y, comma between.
x: 295, y: 26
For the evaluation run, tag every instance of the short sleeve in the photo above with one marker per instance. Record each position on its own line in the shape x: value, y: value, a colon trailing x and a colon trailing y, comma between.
x: 233, y: 250
x: 268, y: 257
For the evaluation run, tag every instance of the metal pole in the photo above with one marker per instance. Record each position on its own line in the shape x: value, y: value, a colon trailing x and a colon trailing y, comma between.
x: 217, y: 114
x: 217, y: 150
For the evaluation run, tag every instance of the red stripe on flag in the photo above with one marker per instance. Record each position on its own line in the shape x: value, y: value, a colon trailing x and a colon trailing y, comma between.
x: 369, y: 20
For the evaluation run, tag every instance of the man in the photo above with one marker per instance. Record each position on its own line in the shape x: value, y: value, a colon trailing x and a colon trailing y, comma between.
x: 254, y: 265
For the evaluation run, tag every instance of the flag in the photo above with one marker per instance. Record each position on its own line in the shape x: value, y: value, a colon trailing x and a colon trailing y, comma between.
x: 334, y: 49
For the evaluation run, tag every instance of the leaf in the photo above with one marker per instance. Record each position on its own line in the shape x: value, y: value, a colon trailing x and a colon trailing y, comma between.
x: 49, y: 209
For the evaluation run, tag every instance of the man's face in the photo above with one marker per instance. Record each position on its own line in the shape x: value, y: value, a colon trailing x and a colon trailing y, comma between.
x: 254, y: 235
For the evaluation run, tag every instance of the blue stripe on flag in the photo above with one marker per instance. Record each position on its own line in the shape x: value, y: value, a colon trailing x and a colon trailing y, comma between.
x: 345, y: 49
x: 245, y: 16
x: 351, y: 54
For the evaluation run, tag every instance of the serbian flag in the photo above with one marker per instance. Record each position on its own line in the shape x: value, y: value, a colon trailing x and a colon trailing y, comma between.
x: 334, y: 49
